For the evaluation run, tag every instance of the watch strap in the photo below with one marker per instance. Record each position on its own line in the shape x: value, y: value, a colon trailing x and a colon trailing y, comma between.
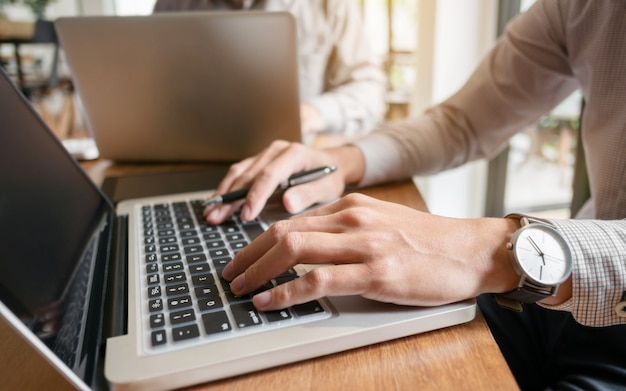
x: 527, y: 293
x: 525, y: 220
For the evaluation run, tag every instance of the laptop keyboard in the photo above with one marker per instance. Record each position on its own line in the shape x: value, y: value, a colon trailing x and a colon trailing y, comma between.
x: 185, y: 296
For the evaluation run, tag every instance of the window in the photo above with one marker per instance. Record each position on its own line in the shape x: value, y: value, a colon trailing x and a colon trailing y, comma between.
x: 391, y: 26
x: 135, y: 7
x: 535, y: 173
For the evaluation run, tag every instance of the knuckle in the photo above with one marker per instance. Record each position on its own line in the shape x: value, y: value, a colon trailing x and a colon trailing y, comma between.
x: 292, y: 243
x: 237, y: 168
x: 354, y: 199
x: 317, y: 280
x: 266, y: 175
x: 286, y: 295
x: 357, y: 216
x: 279, y: 145
x: 279, y: 229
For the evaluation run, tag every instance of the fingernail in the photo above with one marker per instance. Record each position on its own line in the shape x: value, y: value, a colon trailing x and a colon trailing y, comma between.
x: 245, y: 213
x: 262, y: 299
x: 214, y: 215
x: 227, y: 273
x: 237, y: 284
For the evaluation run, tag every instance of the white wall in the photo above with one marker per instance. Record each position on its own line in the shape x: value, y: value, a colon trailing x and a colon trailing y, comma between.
x: 453, y: 37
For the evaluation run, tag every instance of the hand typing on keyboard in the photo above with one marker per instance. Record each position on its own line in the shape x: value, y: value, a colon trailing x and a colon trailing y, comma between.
x: 186, y: 298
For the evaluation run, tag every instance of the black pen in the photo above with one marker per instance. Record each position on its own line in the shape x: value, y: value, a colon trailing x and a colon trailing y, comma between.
x: 294, y: 180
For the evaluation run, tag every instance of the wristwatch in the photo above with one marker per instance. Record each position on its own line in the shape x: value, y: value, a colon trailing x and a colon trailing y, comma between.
x: 541, y: 257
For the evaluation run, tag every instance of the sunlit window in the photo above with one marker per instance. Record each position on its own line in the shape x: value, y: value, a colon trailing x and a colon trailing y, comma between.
x: 538, y: 167
x: 134, y: 7
x: 391, y: 26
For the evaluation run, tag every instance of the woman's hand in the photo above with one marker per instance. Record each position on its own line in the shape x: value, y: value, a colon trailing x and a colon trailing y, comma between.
x: 379, y: 250
x: 265, y: 171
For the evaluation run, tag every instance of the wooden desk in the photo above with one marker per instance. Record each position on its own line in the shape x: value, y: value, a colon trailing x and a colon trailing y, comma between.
x: 463, y: 357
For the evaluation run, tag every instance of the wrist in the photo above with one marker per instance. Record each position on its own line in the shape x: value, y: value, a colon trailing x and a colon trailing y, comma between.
x: 350, y: 163
x: 501, y: 276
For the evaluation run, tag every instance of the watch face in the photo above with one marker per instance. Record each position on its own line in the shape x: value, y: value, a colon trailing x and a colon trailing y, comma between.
x: 543, y: 254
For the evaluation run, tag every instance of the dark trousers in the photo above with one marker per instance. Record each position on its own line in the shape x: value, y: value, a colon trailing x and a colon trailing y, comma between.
x: 549, y: 350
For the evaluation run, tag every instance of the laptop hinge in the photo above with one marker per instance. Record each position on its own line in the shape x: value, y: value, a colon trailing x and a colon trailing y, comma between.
x: 117, y: 293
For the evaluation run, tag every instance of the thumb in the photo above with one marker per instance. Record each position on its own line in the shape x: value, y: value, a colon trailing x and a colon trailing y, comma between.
x: 298, y: 198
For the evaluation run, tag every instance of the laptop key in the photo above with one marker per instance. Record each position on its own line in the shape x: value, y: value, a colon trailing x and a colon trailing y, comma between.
x: 202, y: 279
x: 178, y: 289
x: 185, y: 332
x: 253, y: 230
x: 206, y: 292
x: 158, y: 337
x: 277, y: 316
x: 153, y: 279
x: 245, y: 315
x: 183, y: 316
x: 216, y: 322
x: 155, y: 305
x: 179, y: 302
x: 196, y: 258
x: 199, y: 268
x: 174, y: 278
x: 171, y: 257
x: 154, y: 291
x: 173, y: 267
x: 157, y: 320
x: 209, y: 304
x: 220, y: 263
x: 193, y: 249
x: 310, y: 308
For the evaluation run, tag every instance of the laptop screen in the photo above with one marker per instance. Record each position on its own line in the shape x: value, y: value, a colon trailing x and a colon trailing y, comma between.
x: 51, y: 215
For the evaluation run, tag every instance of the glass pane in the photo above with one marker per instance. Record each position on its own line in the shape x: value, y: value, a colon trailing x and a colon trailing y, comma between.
x: 404, y: 26
x: 541, y: 162
x: 135, y: 7
x: 375, y: 18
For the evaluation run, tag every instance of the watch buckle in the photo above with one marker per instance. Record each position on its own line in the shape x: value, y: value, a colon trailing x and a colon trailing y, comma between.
x: 510, y: 304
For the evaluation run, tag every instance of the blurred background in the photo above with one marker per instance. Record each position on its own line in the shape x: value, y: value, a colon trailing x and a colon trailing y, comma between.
x: 429, y: 48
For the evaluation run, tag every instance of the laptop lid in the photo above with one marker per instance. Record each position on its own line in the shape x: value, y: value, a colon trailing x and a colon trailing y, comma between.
x: 200, y: 86
x: 58, y: 257
x: 54, y: 242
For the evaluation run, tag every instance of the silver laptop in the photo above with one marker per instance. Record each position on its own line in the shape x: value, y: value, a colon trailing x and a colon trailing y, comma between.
x: 214, y: 86
x: 131, y: 297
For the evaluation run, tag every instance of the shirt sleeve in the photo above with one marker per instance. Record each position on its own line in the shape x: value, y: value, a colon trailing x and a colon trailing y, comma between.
x: 598, y: 271
x: 525, y: 75
x: 353, y: 101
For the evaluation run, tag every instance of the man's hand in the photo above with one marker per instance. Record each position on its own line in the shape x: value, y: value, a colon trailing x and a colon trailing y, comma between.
x: 265, y: 171
x: 379, y: 250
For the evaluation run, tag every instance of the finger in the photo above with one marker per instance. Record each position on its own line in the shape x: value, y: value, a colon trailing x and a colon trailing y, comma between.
x: 338, y: 280
x: 347, y: 208
x: 238, y: 176
x: 298, y: 198
x: 256, y: 250
x: 216, y: 214
x: 284, y: 163
x: 292, y: 249
x: 333, y: 218
x: 234, y: 172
